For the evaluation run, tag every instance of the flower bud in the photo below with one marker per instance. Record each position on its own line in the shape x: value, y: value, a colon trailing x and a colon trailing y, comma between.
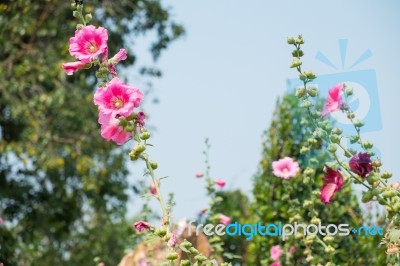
x: 315, y: 220
x: 298, y: 236
x: 354, y: 139
x: 309, y: 240
x: 160, y: 232
x: 332, y: 148
x: 297, y: 53
x: 367, y: 144
x: 329, y: 249
x: 200, y: 258
x: 306, y: 104
x: 302, y: 76
x: 372, y: 178
x: 367, y: 196
x: 75, y: 14
x: 309, y: 172
x: 139, y: 148
x: 172, y: 256
x: 312, y: 91
x: 309, y: 258
x: 299, y: 40
x: 377, y: 163
x: 309, y: 74
x: 304, y: 149
x: 328, y: 239
x: 186, y: 244
x: 291, y: 40
x: 300, y: 92
x: 145, y: 135
x: 193, y: 251
x: 382, y: 201
x: 337, y: 131
x: 307, y: 204
x: 351, y: 115
x: 349, y: 91
x: 358, y: 123
x: 133, y: 156
x: 335, y: 139
x: 386, y: 175
x: 295, y: 63
x: 390, y: 193
x: 396, y: 207
x: 88, y: 18
x: 306, y: 180
x: 185, y: 263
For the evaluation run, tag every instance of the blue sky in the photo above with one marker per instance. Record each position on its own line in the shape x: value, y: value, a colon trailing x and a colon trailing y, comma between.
x: 222, y: 80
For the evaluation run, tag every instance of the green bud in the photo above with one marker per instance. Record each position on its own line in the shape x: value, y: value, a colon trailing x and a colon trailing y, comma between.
x: 145, y: 135
x: 298, y: 236
x: 329, y: 249
x: 367, y: 145
x: 306, y: 104
x: 332, y: 148
x: 139, y: 148
x: 300, y: 92
x: 312, y: 91
x: 193, y: 251
x: 390, y: 193
x: 316, y: 114
x: 200, y: 258
x: 186, y: 244
x: 312, y: 141
x: 315, y: 220
x: 79, y: 26
x: 75, y: 14
x: 306, y: 180
x: 153, y: 165
x: 304, y: 149
x: 290, y: 40
x: 372, y: 178
x: 358, y: 123
x: 382, y: 201
x: 297, y: 53
x: 335, y: 139
x: 309, y: 240
x: 129, y: 128
x: 354, y: 139
x: 377, y: 163
x: 160, y: 232
x: 396, y: 207
x: 367, y: 196
x: 328, y: 239
x: 386, y: 175
x: 172, y: 256
x: 185, y: 263
x: 309, y: 172
x: 302, y: 76
x: 133, y: 156
x: 299, y: 40
x: 307, y: 204
x: 88, y: 18
x: 309, y: 74
x: 351, y: 115
x: 337, y: 131
x: 349, y: 91
x: 295, y: 63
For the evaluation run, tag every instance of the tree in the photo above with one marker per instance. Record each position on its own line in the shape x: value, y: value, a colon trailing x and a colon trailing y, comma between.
x: 60, y: 183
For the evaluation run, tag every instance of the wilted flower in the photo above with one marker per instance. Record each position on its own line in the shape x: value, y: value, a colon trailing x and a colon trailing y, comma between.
x: 276, y: 252
x: 117, y: 98
x: 88, y: 43
x: 140, y: 226
x: 223, y: 219
x: 220, y: 183
x: 361, y: 164
x: 285, y: 168
x: 140, y: 119
x: 333, y: 182
x: 111, y: 130
x: 334, y: 100
x: 71, y: 67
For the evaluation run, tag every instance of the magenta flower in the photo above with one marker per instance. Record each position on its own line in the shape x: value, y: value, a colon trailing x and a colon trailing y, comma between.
x: 333, y: 182
x: 225, y: 220
x: 1, y: 221
x: 111, y: 130
x: 276, y: 252
x: 117, y: 98
x: 88, y: 43
x: 153, y: 190
x: 285, y: 168
x: 220, y: 183
x: 172, y: 241
x: 334, y: 100
x: 361, y: 164
x: 275, y: 263
x: 71, y: 67
x: 199, y: 175
x: 120, y: 56
x: 141, y: 226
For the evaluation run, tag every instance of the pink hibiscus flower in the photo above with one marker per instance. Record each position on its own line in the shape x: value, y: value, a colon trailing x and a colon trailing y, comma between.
x: 334, y: 100
x: 88, y: 43
x: 223, y: 219
x: 117, y: 98
x: 111, y: 130
x: 276, y: 252
x: 275, y: 263
x: 220, y: 183
x: 285, y: 168
x: 333, y: 182
x: 71, y: 67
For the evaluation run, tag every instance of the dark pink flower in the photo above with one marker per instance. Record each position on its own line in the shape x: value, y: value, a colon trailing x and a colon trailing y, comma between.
x: 361, y: 164
x: 1, y: 221
x: 88, y: 43
x: 71, y: 67
x: 111, y: 130
x: 333, y: 182
x: 117, y: 98
x: 220, y: 183
x: 285, y: 168
x: 223, y: 219
x: 276, y: 252
x: 141, y: 226
x: 121, y: 55
x: 275, y: 263
x: 199, y: 175
x: 334, y: 100
x: 153, y: 190
x: 172, y: 241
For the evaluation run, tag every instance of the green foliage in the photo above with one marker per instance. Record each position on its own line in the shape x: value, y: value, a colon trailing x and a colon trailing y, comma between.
x: 62, y: 187
x: 279, y: 200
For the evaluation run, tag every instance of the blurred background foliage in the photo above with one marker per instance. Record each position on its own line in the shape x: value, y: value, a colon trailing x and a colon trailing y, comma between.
x: 63, y: 189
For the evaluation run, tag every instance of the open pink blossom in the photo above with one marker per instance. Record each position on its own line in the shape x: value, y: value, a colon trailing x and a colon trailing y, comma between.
x: 333, y: 182
x: 111, y: 130
x: 220, y: 183
x: 199, y: 175
x: 172, y: 241
x: 88, y: 43
x: 223, y: 219
x: 276, y: 252
x: 117, y: 98
x: 141, y: 226
x: 71, y: 67
x: 285, y: 168
x: 334, y: 100
x: 275, y: 263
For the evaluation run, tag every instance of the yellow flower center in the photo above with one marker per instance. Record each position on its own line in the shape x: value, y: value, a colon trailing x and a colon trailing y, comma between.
x: 118, y: 103
x: 285, y: 171
x: 93, y: 48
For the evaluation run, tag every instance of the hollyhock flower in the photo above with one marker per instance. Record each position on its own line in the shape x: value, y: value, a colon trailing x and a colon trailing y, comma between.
x: 199, y: 175
x: 223, y: 219
x: 172, y: 241
x: 220, y: 183
x: 111, y: 130
x: 71, y: 67
x: 88, y: 43
x: 334, y: 100
x: 275, y: 263
x: 361, y: 164
x: 141, y: 226
x: 276, y: 252
x: 285, y: 168
x: 120, y: 56
x: 153, y: 190
x: 333, y: 182
x: 117, y: 98
x: 1, y: 221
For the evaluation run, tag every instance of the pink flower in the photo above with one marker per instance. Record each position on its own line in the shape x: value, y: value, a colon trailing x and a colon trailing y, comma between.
x: 71, y: 67
x: 223, y: 219
x: 111, y: 130
x: 275, y: 263
x: 285, y: 168
x: 333, y: 182
x: 172, y: 241
x: 141, y: 226
x: 220, y: 183
x: 117, y: 98
x: 361, y: 164
x: 203, y: 211
x: 140, y: 119
x: 153, y: 190
x: 121, y: 55
x: 334, y: 100
x: 276, y: 252
x: 88, y: 43
x: 199, y: 175
x: 1, y: 221
x: 143, y: 262
x: 292, y: 249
